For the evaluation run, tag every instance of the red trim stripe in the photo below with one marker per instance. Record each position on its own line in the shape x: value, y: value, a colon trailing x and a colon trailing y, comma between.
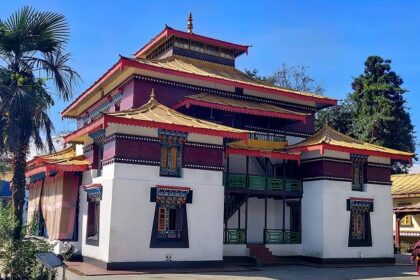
x: 95, y: 125
x: 322, y: 147
x: 58, y: 168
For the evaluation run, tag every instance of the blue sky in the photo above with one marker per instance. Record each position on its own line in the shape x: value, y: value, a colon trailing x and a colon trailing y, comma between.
x: 332, y: 37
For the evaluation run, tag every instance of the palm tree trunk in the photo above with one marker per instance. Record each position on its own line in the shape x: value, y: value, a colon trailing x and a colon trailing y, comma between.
x: 18, y: 191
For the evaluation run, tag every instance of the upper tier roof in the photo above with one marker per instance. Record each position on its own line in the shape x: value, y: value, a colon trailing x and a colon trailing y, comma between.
x: 329, y: 139
x: 240, y: 106
x: 189, y: 68
x: 156, y: 115
x: 168, y: 32
x: 405, y: 184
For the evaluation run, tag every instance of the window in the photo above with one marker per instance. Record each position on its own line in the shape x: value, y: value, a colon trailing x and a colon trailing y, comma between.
x: 171, y: 153
x: 100, y: 156
x: 360, y: 233
x: 181, y: 43
x: 94, y: 209
x: 170, y: 222
x: 170, y: 226
x: 358, y: 172
x: 197, y: 46
x: 94, y: 197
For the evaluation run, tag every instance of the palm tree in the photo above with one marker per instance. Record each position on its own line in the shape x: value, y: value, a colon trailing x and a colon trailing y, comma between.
x: 31, y: 55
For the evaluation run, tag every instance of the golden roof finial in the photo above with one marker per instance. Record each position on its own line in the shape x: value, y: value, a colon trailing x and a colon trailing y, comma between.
x: 152, y: 95
x: 190, y: 23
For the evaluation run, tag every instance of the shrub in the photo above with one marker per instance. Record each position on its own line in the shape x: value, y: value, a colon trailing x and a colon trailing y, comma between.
x: 17, y: 258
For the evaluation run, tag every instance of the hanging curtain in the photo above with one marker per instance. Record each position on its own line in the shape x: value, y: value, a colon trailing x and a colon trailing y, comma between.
x: 34, y: 199
x: 68, y: 207
x: 51, y: 204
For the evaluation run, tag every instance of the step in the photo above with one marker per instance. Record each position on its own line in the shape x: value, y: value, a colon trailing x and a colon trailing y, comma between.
x: 262, y: 254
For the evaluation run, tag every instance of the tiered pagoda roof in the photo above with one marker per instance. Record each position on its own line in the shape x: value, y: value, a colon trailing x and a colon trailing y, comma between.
x: 329, y: 139
x: 240, y: 106
x: 405, y: 185
x: 167, y: 32
x: 65, y: 160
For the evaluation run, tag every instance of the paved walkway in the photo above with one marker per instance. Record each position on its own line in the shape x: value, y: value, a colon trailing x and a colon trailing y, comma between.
x: 286, y: 272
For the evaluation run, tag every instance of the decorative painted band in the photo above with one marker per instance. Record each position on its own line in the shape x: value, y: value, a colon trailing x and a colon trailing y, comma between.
x: 370, y: 164
x: 130, y: 161
x: 303, y: 161
x: 278, y: 131
x: 327, y: 178
x: 389, y: 183
x: 156, y: 139
x: 157, y: 163
x: 112, y: 137
x: 206, y: 167
x: 201, y: 145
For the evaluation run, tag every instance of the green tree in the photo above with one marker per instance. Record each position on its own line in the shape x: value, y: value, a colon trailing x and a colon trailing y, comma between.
x: 290, y: 77
x: 376, y: 110
x: 31, y: 46
x: 338, y: 117
x: 380, y: 112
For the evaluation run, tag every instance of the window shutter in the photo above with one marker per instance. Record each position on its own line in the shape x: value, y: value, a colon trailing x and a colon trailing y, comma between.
x: 163, y: 157
x: 174, y: 158
x: 162, y: 219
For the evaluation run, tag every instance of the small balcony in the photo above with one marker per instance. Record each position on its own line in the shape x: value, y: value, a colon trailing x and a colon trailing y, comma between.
x: 238, y: 181
x: 281, y: 236
x: 271, y: 236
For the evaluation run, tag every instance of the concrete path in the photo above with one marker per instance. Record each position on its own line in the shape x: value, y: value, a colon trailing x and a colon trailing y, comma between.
x: 286, y: 272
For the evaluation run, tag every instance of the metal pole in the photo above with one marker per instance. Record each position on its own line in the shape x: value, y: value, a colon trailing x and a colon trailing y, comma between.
x: 239, y: 217
x: 246, y: 219
x: 284, y: 219
x: 247, y: 173
x: 265, y: 217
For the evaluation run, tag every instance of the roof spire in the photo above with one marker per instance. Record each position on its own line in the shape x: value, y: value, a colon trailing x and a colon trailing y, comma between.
x: 190, y: 23
x: 152, y: 95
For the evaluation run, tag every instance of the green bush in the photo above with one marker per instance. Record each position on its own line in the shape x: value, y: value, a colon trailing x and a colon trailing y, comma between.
x: 17, y: 258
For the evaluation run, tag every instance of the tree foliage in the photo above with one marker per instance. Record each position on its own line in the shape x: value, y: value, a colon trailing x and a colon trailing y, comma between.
x: 376, y: 110
x: 31, y: 54
x: 17, y: 257
x: 291, y: 77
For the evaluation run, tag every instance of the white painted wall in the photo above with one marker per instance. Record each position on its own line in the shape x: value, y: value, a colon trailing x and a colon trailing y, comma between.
x: 313, y: 219
x: 100, y: 252
x: 256, y: 209
x: 326, y: 220
x: 132, y: 215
